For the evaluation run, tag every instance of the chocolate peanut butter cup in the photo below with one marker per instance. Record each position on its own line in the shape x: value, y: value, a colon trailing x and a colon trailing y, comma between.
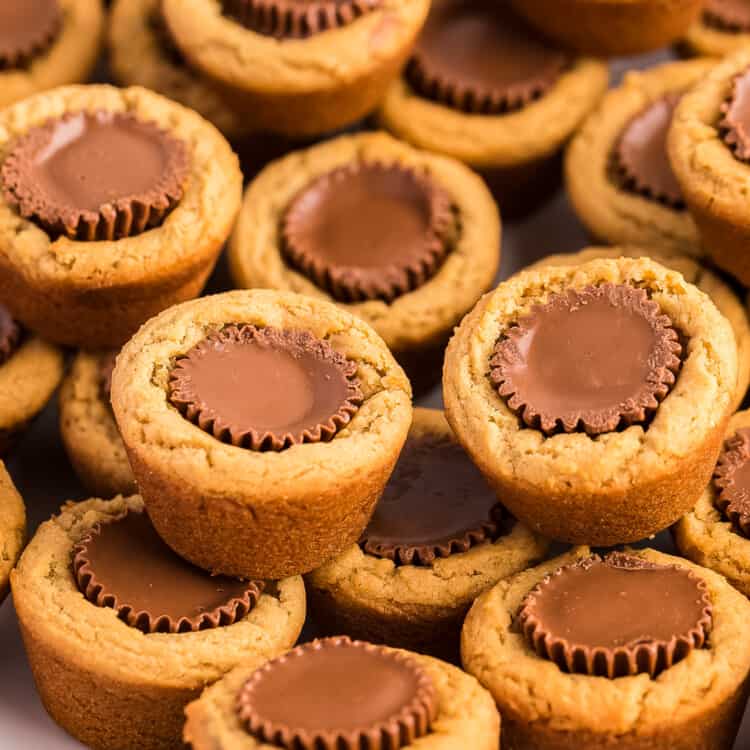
x: 594, y: 360
x: 265, y: 388
x: 435, y: 504
x: 296, y: 19
x: 27, y: 29
x: 368, y: 231
x: 479, y: 57
x: 124, y: 564
x: 735, y: 124
x: 728, y: 15
x: 10, y: 335
x: 655, y: 615
x: 96, y: 175
x: 732, y: 481
x: 641, y: 154
x: 339, y: 694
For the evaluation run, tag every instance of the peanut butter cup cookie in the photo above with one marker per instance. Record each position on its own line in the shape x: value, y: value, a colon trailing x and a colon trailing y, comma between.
x: 30, y: 371
x: 722, y: 295
x: 483, y: 88
x: 115, y: 204
x: 296, y: 67
x: 722, y: 28
x: 261, y: 427
x: 716, y: 533
x: 572, y: 389
x: 121, y: 633
x: 438, y: 538
x: 12, y: 528
x: 404, y: 239
x: 47, y: 43
x: 709, y: 148
x: 88, y: 428
x: 617, y: 171
x: 611, y: 27
x: 344, y: 694
x: 637, y: 650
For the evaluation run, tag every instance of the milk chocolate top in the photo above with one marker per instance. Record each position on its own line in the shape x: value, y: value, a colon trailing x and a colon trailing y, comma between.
x: 96, y: 175
x: 735, y: 125
x: 592, y: 359
x: 27, y: 29
x: 435, y: 504
x: 124, y: 564
x: 265, y: 388
x: 641, y: 153
x: 732, y: 481
x: 338, y: 694
x: 477, y: 56
x: 368, y: 231
x: 617, y: 616
x: 728, y: 15
x: 10, y: 335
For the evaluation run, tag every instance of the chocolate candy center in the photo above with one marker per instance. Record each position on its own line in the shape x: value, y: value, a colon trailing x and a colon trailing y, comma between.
x: 732, y: 480
x: 10, y: 335
x: 735, y: 125
x: 26, y: 28
x: 436, y: 503
x: 479, y: 57
x: 617, y: 616
x: 336, y: 687
x: 728, y: 15
x: 641, y: 153
x: 125, y: 565
x: 367, y: 230
x: 265, y: 388
x: 594, y: 358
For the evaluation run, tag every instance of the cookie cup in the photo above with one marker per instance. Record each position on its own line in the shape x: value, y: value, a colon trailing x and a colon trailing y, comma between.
x: 298, y: 86
x: 611, y: 27
x: 89, y: 431
x: 611, y: 212
x: 95, y: 294
x: 516, y: 153
x: 416, y: 325
x: 251, y: 513
x: 711, y: 178
x: 721, y: 294
x: 698, y: 702
x: 466, y: 715
x: 111, y: 685
x: 703, y: 39
x: 704, y: 535
x: 619, y: 486
x: 12, y: 528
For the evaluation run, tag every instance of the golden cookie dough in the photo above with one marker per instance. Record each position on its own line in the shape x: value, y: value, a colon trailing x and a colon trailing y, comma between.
x: 705, y: 536
x: 89, y: 432
x: 12, y: 528
x: 96, y: 294
x: 417, y: 325
x: 611, y: 212
x: 69, y: 59
x: 712, y: 180
x: 619, y: 486
x: 298, y: 86
x: 703, y: 38
x: 420, y: 607
x: 111, y: 685
x: 467, y: 717
x: 142, y: 54
x: 611, y: 27
x: 721, y: 294
x: 697, y: 703
x: 250, y: 513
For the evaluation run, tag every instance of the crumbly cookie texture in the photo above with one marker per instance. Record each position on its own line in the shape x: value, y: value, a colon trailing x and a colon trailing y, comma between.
x: 12, y: 528
x: 70, y: 59
x: 131, y: 684
x: 646, y: 477
x: 211, y: 498
x: 706, y: 537
x: 532, y: 133
x: 89, y: 431
x: 97, y: 294
x: 609, y: 211
x: 703, y: 39
x: 466, y: 717
x: 722, y: 295
x: 420, y: 318
x: 698, y: 700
